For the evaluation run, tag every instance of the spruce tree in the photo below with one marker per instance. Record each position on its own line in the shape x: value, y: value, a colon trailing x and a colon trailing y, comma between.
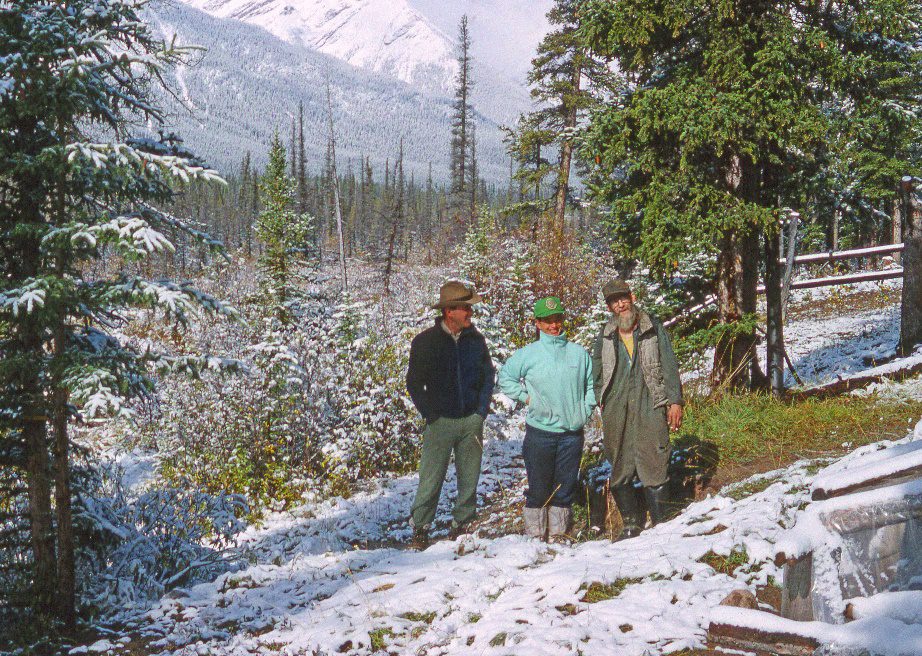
x: 282, y: 232
x: 556, y: 77
x: 725, y: 113
x: 462, y: 113
x: 79, y: 185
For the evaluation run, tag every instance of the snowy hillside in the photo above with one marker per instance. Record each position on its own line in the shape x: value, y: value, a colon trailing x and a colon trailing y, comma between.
x: 384, y: 36
x: 395, y: 39
x: 307, y: 590
x: 248, y: 83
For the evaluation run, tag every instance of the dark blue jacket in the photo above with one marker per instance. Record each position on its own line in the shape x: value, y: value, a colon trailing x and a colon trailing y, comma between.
x: 447, y: 378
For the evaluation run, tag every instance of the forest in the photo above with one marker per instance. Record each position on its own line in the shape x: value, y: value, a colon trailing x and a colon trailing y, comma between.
x: 190, y: 357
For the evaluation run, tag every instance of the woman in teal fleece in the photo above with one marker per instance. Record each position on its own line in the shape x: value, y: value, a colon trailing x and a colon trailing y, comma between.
x: 553, y: 377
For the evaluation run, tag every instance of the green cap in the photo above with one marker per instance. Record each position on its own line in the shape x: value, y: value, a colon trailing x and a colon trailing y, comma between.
x: 548, y: 307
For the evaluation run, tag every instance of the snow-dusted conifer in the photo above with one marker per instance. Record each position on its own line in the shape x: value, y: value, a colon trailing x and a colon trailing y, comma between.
x: 79, y: 184
x: 282, y: 231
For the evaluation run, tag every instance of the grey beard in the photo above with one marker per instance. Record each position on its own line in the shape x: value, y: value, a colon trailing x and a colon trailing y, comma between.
x: 626, y: 320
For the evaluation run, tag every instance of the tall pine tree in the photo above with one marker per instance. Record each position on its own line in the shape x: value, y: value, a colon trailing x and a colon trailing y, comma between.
x: 77, y: 186
x: 728, y: 112
x: 461, y: 120
x: 557, y: 79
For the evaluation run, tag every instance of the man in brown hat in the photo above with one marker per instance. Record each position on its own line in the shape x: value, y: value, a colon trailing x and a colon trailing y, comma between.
x: 450, y: 379
x: 640, y: 394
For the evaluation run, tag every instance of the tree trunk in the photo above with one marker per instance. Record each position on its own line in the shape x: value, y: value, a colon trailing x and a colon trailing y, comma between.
x: 736, y: 292
x: 66, y: 596
x: 566, y: 151
x: 34, y: 431
x: 911, y: 312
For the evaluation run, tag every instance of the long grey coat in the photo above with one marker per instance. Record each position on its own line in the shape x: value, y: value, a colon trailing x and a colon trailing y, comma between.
x: 634, y: 395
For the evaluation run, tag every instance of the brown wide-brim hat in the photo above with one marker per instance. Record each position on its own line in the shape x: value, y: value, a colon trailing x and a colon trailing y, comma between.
x: 615, y: 287
x: 456, y: 293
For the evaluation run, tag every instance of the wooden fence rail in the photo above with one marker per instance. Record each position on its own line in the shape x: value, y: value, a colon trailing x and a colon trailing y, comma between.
x: 811, y: 283
x: 834, y: 256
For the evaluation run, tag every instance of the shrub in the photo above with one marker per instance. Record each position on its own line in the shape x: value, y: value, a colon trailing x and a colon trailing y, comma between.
x: 136, y: 549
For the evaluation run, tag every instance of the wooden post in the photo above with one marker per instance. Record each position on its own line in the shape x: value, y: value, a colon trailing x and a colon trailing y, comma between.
x: 911, y: 311
x: 896, y: 228
x: 774, y: 328
x: 793, y: 222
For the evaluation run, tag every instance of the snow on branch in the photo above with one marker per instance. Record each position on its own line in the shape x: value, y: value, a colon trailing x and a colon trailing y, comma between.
x: 154, y: 215
x: 101, y: 155
x: 27, y: 298
x: 131, y: 234
x: 96, y: 391
x: 194, y: 365
x: 178, y: 300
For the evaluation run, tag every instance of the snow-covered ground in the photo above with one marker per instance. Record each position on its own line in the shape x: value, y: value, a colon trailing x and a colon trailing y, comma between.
x: 823, y: 347
x: 335, y: 576
x: 308, y: 591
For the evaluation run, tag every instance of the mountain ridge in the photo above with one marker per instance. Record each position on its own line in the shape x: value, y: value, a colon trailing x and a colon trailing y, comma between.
x: 248, y: 83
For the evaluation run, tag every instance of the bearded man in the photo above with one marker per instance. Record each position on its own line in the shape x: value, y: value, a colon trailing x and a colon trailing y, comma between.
x: 637, y: 386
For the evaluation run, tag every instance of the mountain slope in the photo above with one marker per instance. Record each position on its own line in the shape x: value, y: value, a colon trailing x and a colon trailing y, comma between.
x: 383, y: 36
x: 409, y: 40
x: 248, y: 83
x: 505, y: 33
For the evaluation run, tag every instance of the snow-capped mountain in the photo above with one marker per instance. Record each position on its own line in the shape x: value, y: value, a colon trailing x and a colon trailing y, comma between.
x: 504, y: 33
x: 247, y: 84
x: 384, y: 36
x: 413, y: 41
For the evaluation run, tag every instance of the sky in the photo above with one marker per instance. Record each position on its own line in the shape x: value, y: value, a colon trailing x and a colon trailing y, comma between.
x: 505, y: 33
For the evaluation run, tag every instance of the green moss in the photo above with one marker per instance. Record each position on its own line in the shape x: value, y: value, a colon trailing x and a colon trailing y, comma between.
x: 726, y: 564
x: 596, y: 591
x: 379, y: 638
x: 426, y: 618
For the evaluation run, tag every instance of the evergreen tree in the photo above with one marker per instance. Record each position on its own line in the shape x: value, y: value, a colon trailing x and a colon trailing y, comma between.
x: 473, y: 169
x: 281, y: 230
x: 462, y: 113
x: 556, y: 78
x: 727, y: 113
x: 70, y: 196
x: 303, y: 188
x: 524, y: 145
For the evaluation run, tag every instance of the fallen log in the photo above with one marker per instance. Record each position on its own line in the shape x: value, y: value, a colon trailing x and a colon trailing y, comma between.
x: 762, y: 641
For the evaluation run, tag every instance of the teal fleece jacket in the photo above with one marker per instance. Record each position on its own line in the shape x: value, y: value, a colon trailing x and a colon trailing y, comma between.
x: 555, y: 376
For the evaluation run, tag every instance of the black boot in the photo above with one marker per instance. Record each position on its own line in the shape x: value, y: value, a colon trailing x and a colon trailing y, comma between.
x: 657, y: 499
x: 628, y: 502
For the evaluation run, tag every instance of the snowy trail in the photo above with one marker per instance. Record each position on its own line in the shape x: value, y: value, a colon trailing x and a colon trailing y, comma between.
x: 334, y: 576
x: 307, y: 591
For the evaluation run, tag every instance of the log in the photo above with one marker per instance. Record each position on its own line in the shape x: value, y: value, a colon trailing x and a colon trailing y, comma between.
x: 762, y: 642
x: 900, y: 475
x: 835, y: 256
x: 853, y: 520
x: 844, y: 385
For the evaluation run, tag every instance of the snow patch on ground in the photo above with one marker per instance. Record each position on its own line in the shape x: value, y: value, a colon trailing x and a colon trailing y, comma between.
x: 307, y: 589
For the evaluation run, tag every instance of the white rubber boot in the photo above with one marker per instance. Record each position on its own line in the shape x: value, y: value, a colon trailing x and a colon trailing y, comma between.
x: 536, y: 523
x: 558, y: 524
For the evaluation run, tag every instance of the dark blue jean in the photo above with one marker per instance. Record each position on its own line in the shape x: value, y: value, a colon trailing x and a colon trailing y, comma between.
x: 552, y: 464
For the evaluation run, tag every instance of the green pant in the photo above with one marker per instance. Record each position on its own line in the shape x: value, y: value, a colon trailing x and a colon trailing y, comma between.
x: 465, y: 437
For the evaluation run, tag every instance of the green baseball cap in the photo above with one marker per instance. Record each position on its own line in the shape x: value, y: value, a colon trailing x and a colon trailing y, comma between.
x: 548, y: 307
